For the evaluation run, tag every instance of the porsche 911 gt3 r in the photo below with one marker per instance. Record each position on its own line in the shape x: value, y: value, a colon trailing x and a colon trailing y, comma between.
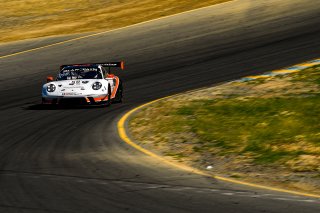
x: 84, y: 84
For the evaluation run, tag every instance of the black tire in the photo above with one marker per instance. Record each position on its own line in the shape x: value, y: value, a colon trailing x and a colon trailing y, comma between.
x: 119, y: 94
x: 108, y: 102
x: 54, y: 102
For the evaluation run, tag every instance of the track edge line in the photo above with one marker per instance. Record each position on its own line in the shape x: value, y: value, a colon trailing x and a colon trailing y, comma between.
x: 122, y: 132
x: 108, y: 31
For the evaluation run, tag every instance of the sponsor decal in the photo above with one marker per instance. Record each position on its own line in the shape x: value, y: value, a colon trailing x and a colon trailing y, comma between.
x: 70, y: 93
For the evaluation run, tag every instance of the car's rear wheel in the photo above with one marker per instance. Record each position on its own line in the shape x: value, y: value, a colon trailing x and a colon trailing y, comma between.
x: 108, y: 102
x: 119, y: 94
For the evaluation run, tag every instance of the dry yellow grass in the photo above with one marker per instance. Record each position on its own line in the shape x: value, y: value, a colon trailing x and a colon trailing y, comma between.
x: 23, y: 19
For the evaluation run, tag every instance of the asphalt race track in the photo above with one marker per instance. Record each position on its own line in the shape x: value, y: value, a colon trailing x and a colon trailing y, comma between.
x: 72, y: 160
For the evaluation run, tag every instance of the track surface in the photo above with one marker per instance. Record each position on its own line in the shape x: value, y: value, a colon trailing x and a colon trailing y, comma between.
x: 72, y: 160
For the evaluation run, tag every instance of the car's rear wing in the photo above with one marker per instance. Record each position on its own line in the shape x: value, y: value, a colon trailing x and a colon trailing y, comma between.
x: 113, y: 64
x: 109, y: 65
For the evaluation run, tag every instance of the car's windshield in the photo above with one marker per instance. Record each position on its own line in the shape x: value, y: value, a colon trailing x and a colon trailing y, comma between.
x: 71, y: 73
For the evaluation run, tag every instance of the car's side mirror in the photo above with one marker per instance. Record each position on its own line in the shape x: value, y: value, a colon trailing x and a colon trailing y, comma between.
x: 49, y: 79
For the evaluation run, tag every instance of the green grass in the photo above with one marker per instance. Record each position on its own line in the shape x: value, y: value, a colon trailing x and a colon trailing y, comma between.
x: 309, y: 75
x: 275, y: 126
x: 256, y: 125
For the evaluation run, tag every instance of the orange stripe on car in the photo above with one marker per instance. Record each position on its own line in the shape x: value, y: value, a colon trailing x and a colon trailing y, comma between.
x: 113, y: 94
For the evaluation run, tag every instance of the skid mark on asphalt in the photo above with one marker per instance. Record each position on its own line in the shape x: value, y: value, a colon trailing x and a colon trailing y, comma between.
x: 135, y: 186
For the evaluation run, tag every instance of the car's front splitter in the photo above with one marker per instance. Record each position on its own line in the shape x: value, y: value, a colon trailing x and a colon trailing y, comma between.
x: 75, y: 100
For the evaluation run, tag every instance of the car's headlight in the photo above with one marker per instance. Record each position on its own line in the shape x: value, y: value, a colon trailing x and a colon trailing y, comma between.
x: 51, y: 88
x: 96, y: 86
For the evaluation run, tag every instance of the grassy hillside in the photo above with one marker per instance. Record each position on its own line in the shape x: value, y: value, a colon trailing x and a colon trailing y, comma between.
x: 22, y: 19
x: 267, y: 130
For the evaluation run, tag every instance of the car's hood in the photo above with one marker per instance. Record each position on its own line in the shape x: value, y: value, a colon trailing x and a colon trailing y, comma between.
x: 75, y: 83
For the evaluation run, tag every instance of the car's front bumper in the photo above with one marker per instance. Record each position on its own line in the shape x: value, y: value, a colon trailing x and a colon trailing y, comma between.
x: 87, y: 100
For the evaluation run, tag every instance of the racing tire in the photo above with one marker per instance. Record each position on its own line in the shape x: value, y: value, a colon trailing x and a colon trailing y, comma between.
x: 119, y: 94
x: 43, y: 102
x: 108, y: 102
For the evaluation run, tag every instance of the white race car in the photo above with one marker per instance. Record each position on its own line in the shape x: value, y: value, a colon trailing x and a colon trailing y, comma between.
x: 84, y: 84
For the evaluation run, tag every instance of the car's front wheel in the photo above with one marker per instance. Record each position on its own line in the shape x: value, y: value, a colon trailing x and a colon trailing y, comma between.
x: 45, y: 101
x: 108, y: 102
